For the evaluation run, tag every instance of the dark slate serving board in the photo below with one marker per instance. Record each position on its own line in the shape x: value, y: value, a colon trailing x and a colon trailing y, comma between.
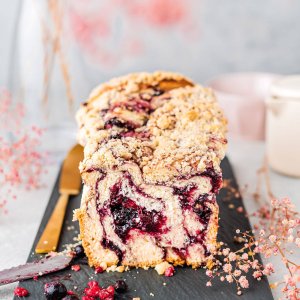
x: 186, y: 284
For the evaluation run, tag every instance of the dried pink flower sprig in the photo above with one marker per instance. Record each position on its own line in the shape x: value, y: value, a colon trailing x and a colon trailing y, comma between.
x: 21, y: 161
x: 277, y: 234
x: 235, y: 266
x: 278, y: 228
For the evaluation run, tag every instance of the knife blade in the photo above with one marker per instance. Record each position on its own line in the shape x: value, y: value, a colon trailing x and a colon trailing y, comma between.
x: 70, y: 184
x: 37, y: 268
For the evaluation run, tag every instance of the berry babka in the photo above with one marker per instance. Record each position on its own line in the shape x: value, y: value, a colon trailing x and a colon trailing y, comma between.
x: 153, y: 144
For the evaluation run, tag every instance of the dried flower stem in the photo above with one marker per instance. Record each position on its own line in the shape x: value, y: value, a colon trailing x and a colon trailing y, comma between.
x: 52, y: 48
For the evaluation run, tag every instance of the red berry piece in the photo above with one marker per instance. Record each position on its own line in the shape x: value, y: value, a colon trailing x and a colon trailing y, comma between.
x: 75, y: 268
x: 107, y: 294
x: 99, y: 270
x: 70, y: 292
x: 111, y: 290
x: 104, y: 294
x: 87, y: 298
x: 169, y: 271
x: 93, y: 283
x: 92, y: 291
x: 21, y: 292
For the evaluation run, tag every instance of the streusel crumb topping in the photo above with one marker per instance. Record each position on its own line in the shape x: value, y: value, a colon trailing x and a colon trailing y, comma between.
x: 161, y: 122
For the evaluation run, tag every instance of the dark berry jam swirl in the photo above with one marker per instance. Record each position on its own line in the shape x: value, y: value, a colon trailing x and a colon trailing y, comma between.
x: 120, y: 124
x: 128, y: 215
x: 139, y: 135
x: 134, y: 104
x: 198, y: 206
x: 140, y: 103
x: 215, y: 177
x: 202, y: 210
x: 111, y: 246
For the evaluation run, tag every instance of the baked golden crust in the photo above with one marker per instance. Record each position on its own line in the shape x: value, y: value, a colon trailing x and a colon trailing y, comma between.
x: 118, y: 89
x: 164, y: 144
x: 162, y: 130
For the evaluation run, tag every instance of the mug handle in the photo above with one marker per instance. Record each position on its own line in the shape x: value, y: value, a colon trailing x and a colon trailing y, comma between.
x: 275, y: 106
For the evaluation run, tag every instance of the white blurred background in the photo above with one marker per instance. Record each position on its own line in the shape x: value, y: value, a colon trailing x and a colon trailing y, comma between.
x: 102, y: 39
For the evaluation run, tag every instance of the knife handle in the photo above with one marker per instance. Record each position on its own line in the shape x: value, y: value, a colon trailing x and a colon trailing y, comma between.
x: 49, y: 240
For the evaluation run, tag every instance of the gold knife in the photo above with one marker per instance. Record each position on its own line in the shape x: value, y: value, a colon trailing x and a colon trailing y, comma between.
x: 69, y: 184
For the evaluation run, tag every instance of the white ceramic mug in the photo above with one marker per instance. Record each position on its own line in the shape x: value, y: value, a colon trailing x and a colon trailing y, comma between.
x: 283, y: 126
x: 242, y: 97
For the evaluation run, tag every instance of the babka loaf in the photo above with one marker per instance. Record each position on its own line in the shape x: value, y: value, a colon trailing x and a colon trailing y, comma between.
x: 153, y: 144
